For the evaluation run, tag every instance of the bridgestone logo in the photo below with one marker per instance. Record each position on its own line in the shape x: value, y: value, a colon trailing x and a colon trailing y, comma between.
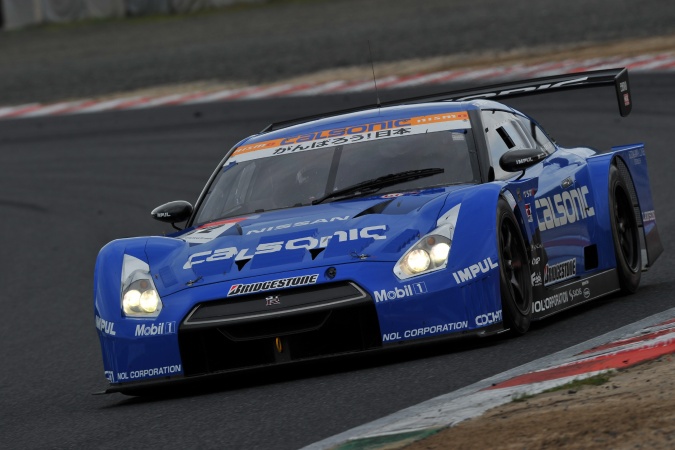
x: 240, y: 289
x: 559, y: 272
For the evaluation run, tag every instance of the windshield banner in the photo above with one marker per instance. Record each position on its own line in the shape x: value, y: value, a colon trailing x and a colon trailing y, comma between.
x: 353, y: 134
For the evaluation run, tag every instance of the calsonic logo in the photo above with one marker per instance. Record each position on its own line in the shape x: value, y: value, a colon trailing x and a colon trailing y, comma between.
x: 407, y: 290
x: 560, y: 271
x: 155, y: 329
x: 304, y: 280
x: 353, y: 134
x: 489, y: 318
x: 297, y: 224
x: 472, y: 271
x: 561, y: 209
x: 540, y: 87
x: 308, y: 242
x: 105, y: 327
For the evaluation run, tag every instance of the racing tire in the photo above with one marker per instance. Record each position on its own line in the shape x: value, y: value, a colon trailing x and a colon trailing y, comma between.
x: 514, y: 272
x: 625, y: 233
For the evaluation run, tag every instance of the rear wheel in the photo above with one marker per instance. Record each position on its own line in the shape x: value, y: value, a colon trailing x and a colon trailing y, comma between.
x: 624, y: 232
x: 514, y: 270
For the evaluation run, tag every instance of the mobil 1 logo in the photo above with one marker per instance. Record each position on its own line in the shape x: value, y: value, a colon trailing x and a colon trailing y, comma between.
x: 407, y: 290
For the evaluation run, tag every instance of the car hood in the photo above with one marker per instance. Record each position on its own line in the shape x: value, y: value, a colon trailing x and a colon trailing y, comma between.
x: 370, y: 229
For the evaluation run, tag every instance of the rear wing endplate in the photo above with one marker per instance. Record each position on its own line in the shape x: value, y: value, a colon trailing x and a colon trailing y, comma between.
x: 581, y: 80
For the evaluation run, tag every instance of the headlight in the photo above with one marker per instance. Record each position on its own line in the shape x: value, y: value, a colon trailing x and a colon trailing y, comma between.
x: 139, y: 295
x: 431, y: 252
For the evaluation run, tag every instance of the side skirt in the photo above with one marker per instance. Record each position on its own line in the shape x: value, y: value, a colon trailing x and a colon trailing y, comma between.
x: 566, y: 295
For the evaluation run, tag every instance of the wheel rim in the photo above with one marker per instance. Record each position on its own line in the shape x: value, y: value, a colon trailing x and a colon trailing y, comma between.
x: 514, y: 262
x: 624, y: 218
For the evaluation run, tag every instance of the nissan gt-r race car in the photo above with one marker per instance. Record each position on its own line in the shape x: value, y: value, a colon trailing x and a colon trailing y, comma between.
x: 433, y: 217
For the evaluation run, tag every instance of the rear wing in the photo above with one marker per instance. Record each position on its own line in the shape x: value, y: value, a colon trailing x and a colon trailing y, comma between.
x: 581, y: 80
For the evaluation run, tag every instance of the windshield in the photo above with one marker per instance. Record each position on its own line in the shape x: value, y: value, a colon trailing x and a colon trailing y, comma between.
x: 286, y: 179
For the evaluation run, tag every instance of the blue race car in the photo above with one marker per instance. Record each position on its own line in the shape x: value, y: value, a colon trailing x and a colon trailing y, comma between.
x: 433, y: 217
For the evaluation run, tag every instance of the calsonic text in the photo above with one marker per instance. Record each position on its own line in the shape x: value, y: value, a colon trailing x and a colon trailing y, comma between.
x: 304, y: 280
x: 561, y: 209
x: 407, y: 290
x: 296, y: 224
x: 308, y: 242
x: 472, y: 271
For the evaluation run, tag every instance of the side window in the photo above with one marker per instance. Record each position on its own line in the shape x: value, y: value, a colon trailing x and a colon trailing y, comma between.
x: 538, y: 134
x: 504, y: 131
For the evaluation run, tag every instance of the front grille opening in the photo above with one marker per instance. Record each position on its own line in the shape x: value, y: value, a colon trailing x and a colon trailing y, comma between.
x: 303, y: 335
x: 270, y: 328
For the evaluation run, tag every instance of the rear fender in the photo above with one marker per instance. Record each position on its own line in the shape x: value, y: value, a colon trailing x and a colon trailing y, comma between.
x: 631, y: 161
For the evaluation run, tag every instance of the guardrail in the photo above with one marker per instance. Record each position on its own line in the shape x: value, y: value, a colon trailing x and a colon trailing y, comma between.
x: 16, y: 14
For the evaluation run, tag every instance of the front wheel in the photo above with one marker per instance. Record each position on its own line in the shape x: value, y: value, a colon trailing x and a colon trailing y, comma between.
x: 514, y: 271
x: 625, y: 233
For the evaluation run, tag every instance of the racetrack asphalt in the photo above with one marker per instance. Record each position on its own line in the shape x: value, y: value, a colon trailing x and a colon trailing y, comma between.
x: 71, y: 184
x: 261, y: 43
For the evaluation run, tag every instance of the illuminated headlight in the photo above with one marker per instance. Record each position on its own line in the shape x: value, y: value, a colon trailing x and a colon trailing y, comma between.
x: 139, y: 295
x: 427, y: 255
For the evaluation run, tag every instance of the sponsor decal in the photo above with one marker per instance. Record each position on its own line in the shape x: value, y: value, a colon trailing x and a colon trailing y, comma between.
x: 419, y: 332
x: 649, y: 216
x: 145, y: 373
x: 527, y: 193
x: 472, y: 271
x: 623, y: 86
x: 308, y: 242
x: 296, y: 224
x: 559, y: 272
x: 105, y: 326
x: 573, y: 293
x: 561, y: 209
x: 535, y: 247
x: 536, y: 260
x: 109, y: 375
x: 353, y: 134
x: 587, y: 293
x: 528, y: 212
x: 393, y: 195
x: 551, y: 302
x: 210, y: 231
x: 155, y: 329
x: 536, y: 87
x: 489, y: 318
x: 536, y: 279
x: 303, y: 280
x: 636, y: 155
x: 408, y: 290
x: 626, y: 99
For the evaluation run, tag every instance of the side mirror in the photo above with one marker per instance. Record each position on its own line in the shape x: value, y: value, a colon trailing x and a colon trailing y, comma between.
x: 173, y: 212
x: 521, y: 159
